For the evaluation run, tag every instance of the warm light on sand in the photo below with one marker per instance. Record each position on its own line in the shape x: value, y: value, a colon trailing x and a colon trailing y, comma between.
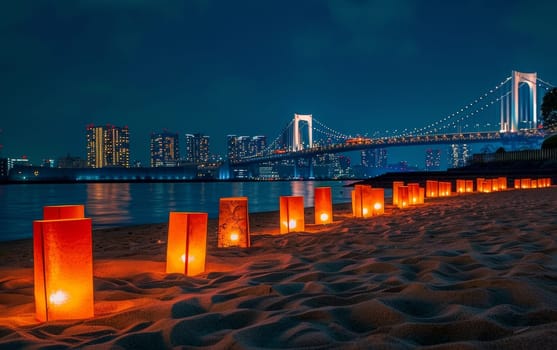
x: 58, y: 298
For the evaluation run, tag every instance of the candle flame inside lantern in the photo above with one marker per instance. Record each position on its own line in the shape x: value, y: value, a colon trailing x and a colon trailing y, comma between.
x: 324, y: 217
x: 364, y: 211
x: 292, y: 223
x: 377, y: 206
x: 58, y: 298
x: 234, y: 236
x: 190, y: 258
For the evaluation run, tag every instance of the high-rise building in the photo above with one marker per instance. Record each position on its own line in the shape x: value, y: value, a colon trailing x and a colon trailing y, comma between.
x: 108, y: 146
x: 432, y: 159
x: 258, y: 145
x: 239, y: 147
x: 374, y: 158
x: 458, y: 155
x: 197, y: 148
x: 165, y: 149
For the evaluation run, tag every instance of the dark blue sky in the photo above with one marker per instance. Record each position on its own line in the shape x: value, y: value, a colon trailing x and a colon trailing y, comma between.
x: 245, y: 67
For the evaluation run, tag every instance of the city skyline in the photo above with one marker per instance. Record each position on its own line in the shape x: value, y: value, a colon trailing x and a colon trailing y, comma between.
x: 245, y: 68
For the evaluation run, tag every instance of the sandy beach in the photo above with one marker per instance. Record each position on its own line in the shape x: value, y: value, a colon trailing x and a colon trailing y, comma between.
x: 476, y: 271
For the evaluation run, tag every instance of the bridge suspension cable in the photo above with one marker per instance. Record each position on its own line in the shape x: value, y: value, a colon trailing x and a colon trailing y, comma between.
x: 273, y: 145
x: 331, y: 132
x: 438, y: 125
x: 547, y: 86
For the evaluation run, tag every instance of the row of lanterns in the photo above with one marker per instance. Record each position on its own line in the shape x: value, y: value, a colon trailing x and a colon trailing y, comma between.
x: 62, y: 247
x: 62, y: 240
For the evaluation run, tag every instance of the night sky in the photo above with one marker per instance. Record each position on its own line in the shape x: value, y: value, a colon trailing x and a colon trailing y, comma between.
x: 245, y: 67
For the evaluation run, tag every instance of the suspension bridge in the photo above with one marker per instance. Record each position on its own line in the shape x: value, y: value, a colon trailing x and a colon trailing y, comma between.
x: 514, y: 102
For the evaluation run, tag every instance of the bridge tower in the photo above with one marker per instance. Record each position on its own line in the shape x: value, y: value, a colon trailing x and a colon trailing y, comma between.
x: 529, y: 107
x: 297, y: 144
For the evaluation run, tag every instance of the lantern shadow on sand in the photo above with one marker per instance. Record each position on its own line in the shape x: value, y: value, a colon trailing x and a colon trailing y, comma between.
x: 63, y: 269
x: 233, y: 228
x: 187, y: 243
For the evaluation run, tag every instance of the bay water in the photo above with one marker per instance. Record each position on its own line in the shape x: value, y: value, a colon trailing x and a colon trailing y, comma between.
x: 121, y: 204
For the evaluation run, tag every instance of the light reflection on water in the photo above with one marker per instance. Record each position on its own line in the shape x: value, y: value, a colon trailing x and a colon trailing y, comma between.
x: 117, y: 204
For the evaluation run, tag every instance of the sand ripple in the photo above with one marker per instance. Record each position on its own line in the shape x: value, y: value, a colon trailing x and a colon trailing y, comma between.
x: 471, y: 272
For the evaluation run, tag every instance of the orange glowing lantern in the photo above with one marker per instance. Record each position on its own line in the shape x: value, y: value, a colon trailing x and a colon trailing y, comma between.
x: 414, y: 192
x: 63, y: 269
x: 54, y: 212
x: 460, y: 186
x: 534, y: 183
x: 432, y: 188
x: 502, y: 182
x: 396, y: 184
x: 323, y: 205
x: 403, y: 197
x: 525, y: 183
x: 487, y: 186
x: 494, y: 185
x: 469, y: 186
x: 233, y: 223
x: 292, y: 214
x: 421, y: 195
x: 516, y: 183
x: 479, y: 184
x: 444, y: 189
x: 362, y: 201
x: 187, y: 243
x: 378, y: 201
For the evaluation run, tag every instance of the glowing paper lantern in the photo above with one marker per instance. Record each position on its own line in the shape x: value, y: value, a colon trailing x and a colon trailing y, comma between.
x: 292, y: 214
x: 403, y: 197
x: 534, y: 184
x: 469, y: 186
x: 502, y: 183
x: 432, y: 188
x: 444, y: 189
x: 460, y: 186
x: 54, y: 212
x: 362, y: 201
x: 63, y: 269
x: 494, y: 185
x: 480, y: 184
x: 414, y: 193
x: 378, y: 201
x: 525, y: 183
x: 187, y: 243
x: 487, y: 186
x: 421, y: 195
x: 396, y: 184
x: 323, y: 205
x: 233, y: 223
x: 516, y: 183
